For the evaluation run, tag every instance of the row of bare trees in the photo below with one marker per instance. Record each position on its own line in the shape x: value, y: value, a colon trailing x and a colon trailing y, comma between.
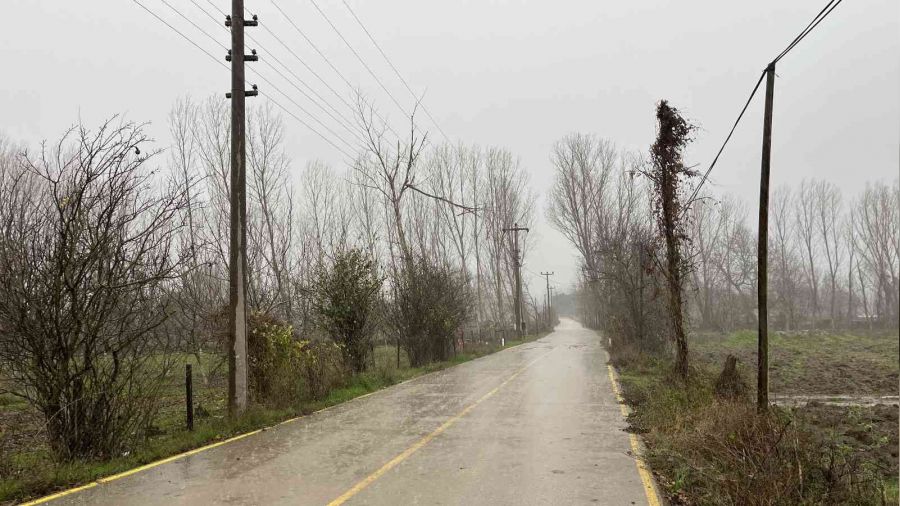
x: 834, y: 259
x: 401, y: 201
x: 111, y: 264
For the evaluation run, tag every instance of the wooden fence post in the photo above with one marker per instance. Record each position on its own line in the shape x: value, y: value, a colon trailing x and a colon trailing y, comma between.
x: 189, y: 396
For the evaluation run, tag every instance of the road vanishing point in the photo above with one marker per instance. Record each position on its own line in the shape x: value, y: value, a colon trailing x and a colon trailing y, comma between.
x: 539, y: 423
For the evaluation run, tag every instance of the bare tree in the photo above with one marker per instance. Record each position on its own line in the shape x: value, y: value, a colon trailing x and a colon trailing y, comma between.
x: 506, y: 201
x: 583, y: 167
x: 784, y: 250
x: 848, y: 234
x: 600, y: 205
x: 878, y: 227
x: 805, y: 216
x: 390, y: 171
x: 736, y: 263
x: 200, y: 293
x: 271, y: 214
x: 828, y: 214
x: 705, y: 232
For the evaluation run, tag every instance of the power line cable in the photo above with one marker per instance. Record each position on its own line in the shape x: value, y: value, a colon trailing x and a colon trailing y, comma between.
x: 314, y: 46
x: 728, y: 138
x: 829, y: 7
x: 276, y: 88
x: 195, y: 25
x: 216, y: 7
x: 394, y: 68
x: 358, y: 57
x: 327, y: 61
x: 343, y: 121
x: 304, y: 123
x: 185, y: 37
x: 314, y: 118
x: 809, y: 28
x: 349, y: 157
x: 210, y: 16
x: 307, y: 67
x: 531, y: 271
x: 346, y: 127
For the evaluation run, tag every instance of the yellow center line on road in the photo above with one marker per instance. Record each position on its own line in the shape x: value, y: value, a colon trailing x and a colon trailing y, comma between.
x: 368, y: 480
x: 643, y: 471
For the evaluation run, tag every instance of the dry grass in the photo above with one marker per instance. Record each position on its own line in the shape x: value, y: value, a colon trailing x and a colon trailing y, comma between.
x: 705, y: 450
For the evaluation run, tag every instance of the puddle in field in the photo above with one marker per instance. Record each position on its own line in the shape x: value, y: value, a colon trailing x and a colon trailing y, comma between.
x: 836, y: 400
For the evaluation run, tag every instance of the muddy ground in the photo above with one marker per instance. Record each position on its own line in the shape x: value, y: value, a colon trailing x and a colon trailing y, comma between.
x: 812, y: 363
x: 869, y: 433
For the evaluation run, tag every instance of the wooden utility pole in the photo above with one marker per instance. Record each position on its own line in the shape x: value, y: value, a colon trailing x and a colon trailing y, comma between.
x: 762, y: 281
x: 520, y: 331
x: 547, y: 276
x: 237, y: 261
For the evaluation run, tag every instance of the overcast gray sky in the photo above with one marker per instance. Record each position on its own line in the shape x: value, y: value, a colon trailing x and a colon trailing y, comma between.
x: 510, y: 73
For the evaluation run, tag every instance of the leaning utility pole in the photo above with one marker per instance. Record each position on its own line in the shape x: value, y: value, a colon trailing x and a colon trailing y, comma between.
x: 520, y: 331
x: 547, y: 276
x: 762, y: 281
x: 237, y: 261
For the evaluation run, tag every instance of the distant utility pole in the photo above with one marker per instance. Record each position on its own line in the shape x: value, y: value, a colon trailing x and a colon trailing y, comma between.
x: 762, y: 282
x: 237, y: 261
x: 520, y: 331
x: 547, y: 277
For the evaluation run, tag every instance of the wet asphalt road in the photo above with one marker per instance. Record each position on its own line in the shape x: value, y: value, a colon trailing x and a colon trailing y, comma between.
x: 535, y: 424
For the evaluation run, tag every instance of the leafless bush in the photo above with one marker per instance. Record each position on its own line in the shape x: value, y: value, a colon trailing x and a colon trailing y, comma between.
x: 87, y: 254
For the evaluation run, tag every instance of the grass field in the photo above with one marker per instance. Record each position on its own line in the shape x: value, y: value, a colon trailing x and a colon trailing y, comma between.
x: 823, y: 363
x: 28, y: 470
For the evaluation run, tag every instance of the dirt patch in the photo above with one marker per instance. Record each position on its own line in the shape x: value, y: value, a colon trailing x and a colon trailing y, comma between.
x: 19, y: 430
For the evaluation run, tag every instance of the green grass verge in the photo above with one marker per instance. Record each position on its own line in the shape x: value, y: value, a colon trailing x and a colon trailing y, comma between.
x: 32, y: 472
